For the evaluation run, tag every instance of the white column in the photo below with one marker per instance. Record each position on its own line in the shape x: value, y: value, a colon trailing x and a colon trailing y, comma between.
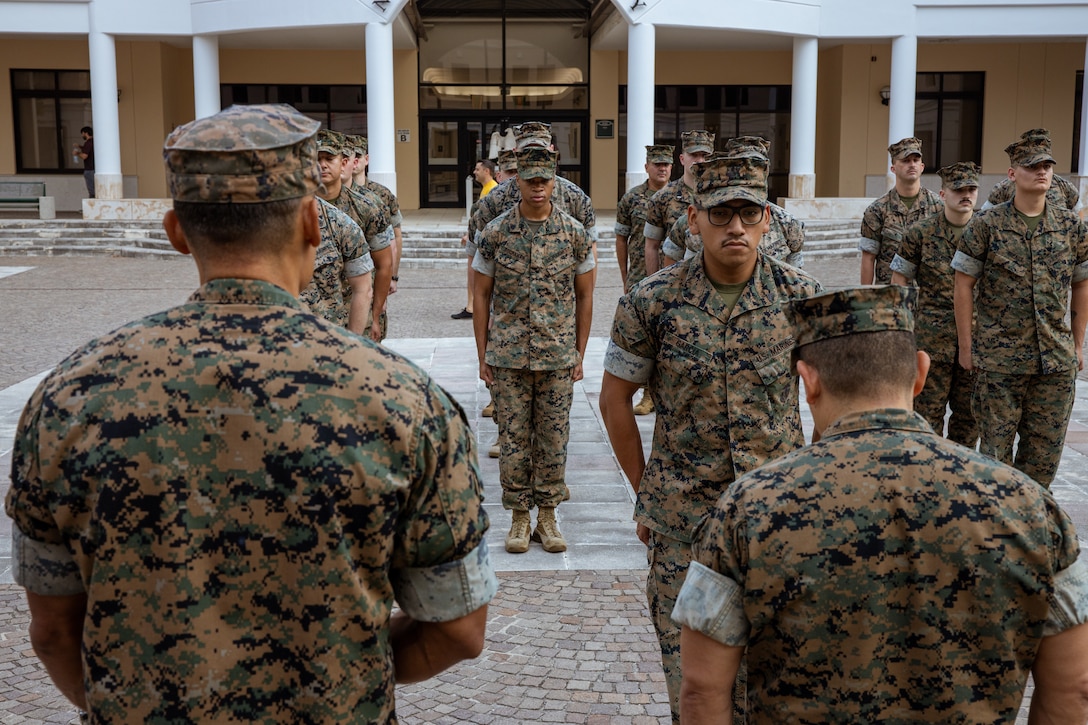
x: 1082, y: 160
x: 903, y: 87
x: 107, y: 130
x: 380, y: 118
x: 806, y: 54
x: 641, y: 39
x: 206, y: 75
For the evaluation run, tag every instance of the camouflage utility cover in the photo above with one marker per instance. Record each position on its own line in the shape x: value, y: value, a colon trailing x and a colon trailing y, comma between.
x: 243, y: 155
x: 244, y: 489
x: 851, y: 311
x: 905, y: 147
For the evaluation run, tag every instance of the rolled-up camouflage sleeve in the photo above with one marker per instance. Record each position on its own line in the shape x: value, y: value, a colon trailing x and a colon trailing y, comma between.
x: 871, y: 223
x: 909, y: 256
x: 1080, y: 252
x: 630, y: 355
x: 41, y: 562
x: 441, y: 570
x: 970, y: 255
x: 1069, y: 600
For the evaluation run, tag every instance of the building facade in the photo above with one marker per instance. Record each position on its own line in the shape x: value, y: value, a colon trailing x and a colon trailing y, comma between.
x: 433, y: 83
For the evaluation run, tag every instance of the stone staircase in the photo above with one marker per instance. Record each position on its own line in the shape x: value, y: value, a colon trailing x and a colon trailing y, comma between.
x: 427, y: 247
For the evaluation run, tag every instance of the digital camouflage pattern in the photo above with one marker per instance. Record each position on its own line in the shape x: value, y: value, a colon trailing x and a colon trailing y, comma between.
x: 630, y: 223
x: 342, y: 255
x: 697, y: 142
x: 366, y: 209
x: 1033, y: 147
x: 886, y: 220
x: 1061, y: 193
x: 532, y: 134
x: 567, y: 196
x: 1035, y: 407
x: 925, y: 258
x: 536, y: 163
x: 389, y: 201
x: 330, y: 142
x: 1022, y: 295
x: 851, y: 311
x: 960, y: 175
x: 245, y: 489
x: 785, y: 240
x: 726, y: 402
x: 660, y: 154
x: 243, y: 155
x: 883, y: 574
x: 905, y: 147
x: 666, y: 206
x: 508, y: 160
x: 674, y: 329
x: 533, y: 305
x: 534, y: 428
x: 725, y: 178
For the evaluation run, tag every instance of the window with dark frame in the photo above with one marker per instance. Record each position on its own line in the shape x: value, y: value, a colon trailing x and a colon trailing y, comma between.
x: 337, y: 107
x: 49, y: 107
x: 725, y: 111
x: 1074, y: 165
x: 948, y: 117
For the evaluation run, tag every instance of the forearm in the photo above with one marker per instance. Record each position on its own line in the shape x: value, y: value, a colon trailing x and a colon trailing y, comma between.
x: 621, y: 258
x: 653, y: 255
x: 868, y: 267
x: 583, y: 320
x: 481, y: 312
x: 361, y: 289
x: 421, y: 650
x: 398, y: 244
x: 619, y: 421
x: 56, y: 636
x: 1061, y: 682
x: 383, y: 275
x: 1078, y: 312
x: 964, y: 302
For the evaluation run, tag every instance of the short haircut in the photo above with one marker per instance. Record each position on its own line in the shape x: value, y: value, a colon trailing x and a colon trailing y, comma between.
x: 488, y: 164
x: 236, y: 226
x: 87, y: 130
x: 864, y: 364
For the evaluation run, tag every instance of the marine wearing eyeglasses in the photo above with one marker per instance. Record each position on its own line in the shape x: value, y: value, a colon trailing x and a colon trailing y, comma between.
x: 710, y: 340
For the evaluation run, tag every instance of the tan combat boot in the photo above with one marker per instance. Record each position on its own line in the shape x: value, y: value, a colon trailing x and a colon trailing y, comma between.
x: 547, y: 531
x: 489, y: 410
x: 645, y: 406
x: 517, y: 541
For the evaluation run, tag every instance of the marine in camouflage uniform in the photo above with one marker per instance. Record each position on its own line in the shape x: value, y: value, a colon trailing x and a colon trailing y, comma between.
x: 631, y: 217
x: 925, y: 258
x: 1017, y: 280
x: 368, y: 211
x: 672, y: 202
x: 715, y: 357
x: 534, y: 263
x: 785, y: 240
x: 1062, y: 192
x: 392, y: 209
x: 882, y: 574
x: 228, y: 496
x: 341, y: 283
x: 886, y: 219
x: 567, y: 196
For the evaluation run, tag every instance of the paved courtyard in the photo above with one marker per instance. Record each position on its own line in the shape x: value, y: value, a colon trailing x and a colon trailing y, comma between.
x: 569, y: 639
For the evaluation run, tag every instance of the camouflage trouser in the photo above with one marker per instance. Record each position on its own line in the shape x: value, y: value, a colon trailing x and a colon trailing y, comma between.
x: 951, y: 385
x: 1037, y: 407
x: 532, y: 411
x: 669, y: 559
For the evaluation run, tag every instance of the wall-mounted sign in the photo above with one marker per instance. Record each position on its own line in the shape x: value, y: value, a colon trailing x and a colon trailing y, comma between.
x: 404, y: 135
x: 606, y: 128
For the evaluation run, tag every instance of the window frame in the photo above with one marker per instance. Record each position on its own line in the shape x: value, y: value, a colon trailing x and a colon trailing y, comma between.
x: 940, y: 96
x: 57, y: 95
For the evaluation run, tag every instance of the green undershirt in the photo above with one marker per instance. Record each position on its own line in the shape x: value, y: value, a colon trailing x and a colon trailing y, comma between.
x: 1031, y: 221
x: 730, y: 293
x: 908, y: 201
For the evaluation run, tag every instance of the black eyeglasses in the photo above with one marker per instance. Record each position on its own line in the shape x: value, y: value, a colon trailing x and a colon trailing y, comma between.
x: 750, y: 215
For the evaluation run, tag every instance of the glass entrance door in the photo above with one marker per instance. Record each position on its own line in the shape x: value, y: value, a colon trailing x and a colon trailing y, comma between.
x: 451, y: 148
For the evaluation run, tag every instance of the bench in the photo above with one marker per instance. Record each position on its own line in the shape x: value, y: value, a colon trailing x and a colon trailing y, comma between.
x: 27, y: 195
